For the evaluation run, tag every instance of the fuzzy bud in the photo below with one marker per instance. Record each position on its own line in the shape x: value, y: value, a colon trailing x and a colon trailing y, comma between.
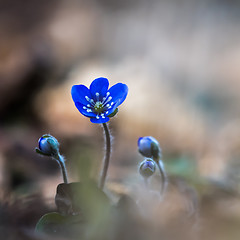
x: 48, y: 145
x: 149, y: 147
x: 147, y: 168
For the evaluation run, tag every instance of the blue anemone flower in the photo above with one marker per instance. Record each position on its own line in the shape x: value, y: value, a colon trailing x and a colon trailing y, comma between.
x: 98, y: 102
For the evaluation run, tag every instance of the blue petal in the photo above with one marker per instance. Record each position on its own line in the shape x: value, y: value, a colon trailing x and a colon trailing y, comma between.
x: 79, y: 92
x: 42, y: 142
x: 99, y: 85
x: 118, y: 92
x: 84, y: 112
x: 100, y: 120
x: 144, y: 146
x: 139, y: 139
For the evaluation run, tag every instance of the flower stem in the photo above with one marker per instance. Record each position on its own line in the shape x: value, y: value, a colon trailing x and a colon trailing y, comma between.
x: 146, y: 182
x: 60, y: 160
x: 163, y: 176
x: 107, y: 155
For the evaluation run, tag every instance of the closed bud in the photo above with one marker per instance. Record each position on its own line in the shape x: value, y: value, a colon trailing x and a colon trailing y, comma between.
x: 147, y: 168
x: 48, y: 145
x: 149, y: 147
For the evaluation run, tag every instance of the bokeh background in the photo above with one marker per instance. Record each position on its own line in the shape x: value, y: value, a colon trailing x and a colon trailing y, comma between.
x: 180, y: 59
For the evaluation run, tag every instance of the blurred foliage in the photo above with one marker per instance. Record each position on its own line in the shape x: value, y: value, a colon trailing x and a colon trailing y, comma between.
x: 85, y: 212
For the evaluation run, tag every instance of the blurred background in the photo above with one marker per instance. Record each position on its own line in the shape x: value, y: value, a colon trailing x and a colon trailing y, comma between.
x: 180, y: 60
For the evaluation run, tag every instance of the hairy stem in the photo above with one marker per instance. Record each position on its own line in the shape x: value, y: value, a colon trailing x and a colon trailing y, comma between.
x: 61, y: 162
x: 107, y: 155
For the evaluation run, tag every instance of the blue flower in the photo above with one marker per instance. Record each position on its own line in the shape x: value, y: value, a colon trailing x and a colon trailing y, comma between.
x: 97, y: 102
x: 149, y: 147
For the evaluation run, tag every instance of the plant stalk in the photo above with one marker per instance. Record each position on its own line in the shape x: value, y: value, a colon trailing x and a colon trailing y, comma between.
x: 107, y: 155
x: 163, y: 176
x: 61, y: 162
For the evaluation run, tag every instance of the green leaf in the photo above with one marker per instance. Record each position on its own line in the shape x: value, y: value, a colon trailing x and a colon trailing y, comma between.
x: 85, y: 198
x: 56, y: 224
x: 114, y: 113
x: 48, y: 219
x: 89, y: 202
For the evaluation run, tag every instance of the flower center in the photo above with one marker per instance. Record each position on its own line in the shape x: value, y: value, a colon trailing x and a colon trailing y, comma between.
x: 98, y: 107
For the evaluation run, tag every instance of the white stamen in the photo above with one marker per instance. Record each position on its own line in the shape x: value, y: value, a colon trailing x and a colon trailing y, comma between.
x: 107, y: 100
x: 112, y: 103
x: 84, y: 107
x: 106, y: 112
x: 108, y: 93
x: 88, y: 105
x: 97, y: 117
x: 89, y: 110
x: 97, y: 95
x: 89, y: 100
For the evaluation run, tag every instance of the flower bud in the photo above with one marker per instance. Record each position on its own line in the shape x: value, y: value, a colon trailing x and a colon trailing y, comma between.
x: 147, y: 167
x: 149, y: 147
x: 48, y: 145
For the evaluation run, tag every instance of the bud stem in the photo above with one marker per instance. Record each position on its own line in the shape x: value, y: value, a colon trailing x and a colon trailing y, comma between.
x: 163, y: 175
x: 146, y: 182
x: 60, y: 160
x: 107, y: 155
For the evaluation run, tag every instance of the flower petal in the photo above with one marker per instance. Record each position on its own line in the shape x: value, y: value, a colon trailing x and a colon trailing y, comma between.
x: 99, y: 85
x: 118, y: 92
x: 100, y: 120
x: 79, y: 92
x: 83, y: 111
